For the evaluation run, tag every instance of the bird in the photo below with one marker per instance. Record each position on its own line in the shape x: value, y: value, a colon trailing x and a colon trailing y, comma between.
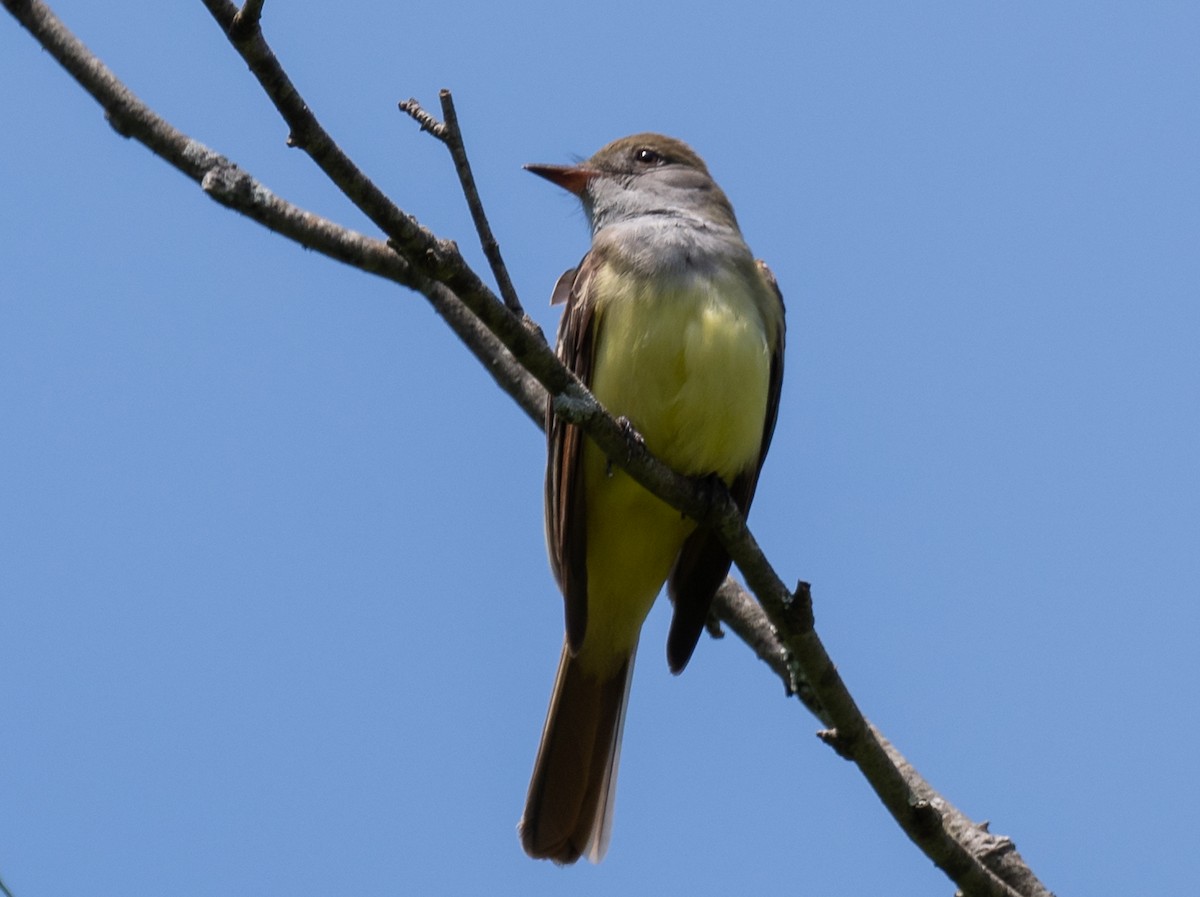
x: 677, y: 330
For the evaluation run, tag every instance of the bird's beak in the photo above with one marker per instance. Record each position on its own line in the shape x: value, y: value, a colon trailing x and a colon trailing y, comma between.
x: 573, y: 178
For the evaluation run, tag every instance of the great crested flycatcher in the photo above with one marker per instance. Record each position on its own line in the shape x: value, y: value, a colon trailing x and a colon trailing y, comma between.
x: 674, y: 326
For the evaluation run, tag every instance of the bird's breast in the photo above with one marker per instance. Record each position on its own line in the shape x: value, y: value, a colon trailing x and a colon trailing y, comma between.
x: 685, y: 356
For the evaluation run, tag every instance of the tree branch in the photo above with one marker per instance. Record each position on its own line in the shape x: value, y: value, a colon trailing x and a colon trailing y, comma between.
x: 449, y: 133
x: 234, y: 188
x: 440, y: 260
x: 740, y: 612
x: 513, y: 349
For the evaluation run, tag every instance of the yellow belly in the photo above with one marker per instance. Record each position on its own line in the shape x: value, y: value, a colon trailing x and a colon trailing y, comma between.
x: 689, y: 367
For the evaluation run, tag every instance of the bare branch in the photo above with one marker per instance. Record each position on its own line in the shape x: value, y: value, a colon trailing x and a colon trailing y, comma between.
x: 491, y: 248
x: 414, y: 110
x: 449, y: 133
x: 234, y: 188
x: 439, y: 259
x: 738, y: 610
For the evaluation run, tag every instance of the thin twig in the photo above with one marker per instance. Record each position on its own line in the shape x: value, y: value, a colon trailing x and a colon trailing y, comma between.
x: 414, y: 110
x: 448, y: 133
x: 491, y: 248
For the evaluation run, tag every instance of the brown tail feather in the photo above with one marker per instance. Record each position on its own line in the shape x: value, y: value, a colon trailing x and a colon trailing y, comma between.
x: 568, y: 812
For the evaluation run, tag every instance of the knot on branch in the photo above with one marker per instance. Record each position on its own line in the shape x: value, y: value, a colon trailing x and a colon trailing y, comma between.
x: 119, y: 121
x: 442, y: 260
x: 843, y: 747
x: 224, y: 180
x: 303, y: 136
x: 533, y: 329
x: 635, y: 443
x: 573, y: 405
x: 798, y: 609
x: 925, y: 816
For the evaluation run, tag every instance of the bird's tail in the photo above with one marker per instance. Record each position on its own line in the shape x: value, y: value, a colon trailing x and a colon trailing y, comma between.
x: 569, y: 810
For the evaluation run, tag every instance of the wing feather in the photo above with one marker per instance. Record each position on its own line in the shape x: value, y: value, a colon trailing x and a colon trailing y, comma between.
x: 566, y: 517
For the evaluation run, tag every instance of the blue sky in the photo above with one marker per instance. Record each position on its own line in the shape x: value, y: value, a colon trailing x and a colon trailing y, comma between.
x: 277, y: 614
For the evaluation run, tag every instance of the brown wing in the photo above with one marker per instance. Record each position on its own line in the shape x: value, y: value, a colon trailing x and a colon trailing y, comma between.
x: 703, y: 563
x: 566, y: 520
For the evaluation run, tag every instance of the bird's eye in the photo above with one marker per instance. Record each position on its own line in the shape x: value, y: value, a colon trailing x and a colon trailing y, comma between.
x: 646, y: 156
